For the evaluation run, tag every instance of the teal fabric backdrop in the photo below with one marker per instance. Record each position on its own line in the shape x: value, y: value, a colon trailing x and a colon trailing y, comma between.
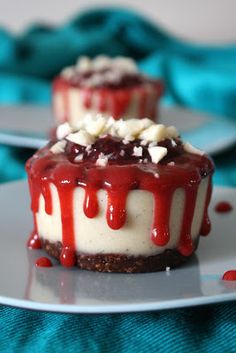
x: 196, y: 76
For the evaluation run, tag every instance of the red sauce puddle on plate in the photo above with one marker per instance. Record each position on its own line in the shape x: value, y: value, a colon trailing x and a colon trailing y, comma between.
x: 229, y: 275
x: 223, y: 207
x: 43, y: 262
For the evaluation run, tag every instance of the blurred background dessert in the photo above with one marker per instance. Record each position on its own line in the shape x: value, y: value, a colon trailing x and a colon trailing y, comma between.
x: 176, y: 43
x: 111, y: 86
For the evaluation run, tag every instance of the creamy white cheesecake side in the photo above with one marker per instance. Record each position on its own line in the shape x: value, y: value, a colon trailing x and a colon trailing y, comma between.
x: 94, y: 236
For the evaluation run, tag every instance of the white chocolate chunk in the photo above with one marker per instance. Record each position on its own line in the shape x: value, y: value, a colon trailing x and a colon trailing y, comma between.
x: 84, y: 64
x: 81, y: 137
x: 68, y: 72
x: 79, y: 157
x: 124, y: 64
x: 102, y: 160
x: 171, y: 132
x: 59, y: 147
x: 63, y: 130
x: 155, y: 132
x: 191, y: 149
x: 96, y: 127
x: 157, y: 153
x: 101, y: 62
x: 137, y: 151
x: 130, y: 127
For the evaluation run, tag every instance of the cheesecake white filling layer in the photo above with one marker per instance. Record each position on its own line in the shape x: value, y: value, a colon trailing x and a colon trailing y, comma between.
x: 93, y: 235
x: 70, y: 104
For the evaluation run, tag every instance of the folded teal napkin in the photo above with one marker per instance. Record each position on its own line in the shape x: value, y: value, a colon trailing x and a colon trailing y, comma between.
x: 197, y: 76
x: 207, y: 329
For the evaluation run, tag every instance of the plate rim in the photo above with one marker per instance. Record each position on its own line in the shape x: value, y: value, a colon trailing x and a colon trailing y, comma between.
x: 36, y: 141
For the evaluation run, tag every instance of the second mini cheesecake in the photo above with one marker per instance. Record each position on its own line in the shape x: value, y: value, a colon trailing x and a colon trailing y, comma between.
x: 120, y: 196
x: 113, y: 87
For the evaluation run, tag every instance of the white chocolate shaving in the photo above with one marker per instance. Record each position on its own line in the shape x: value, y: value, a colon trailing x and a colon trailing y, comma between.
x: 92, y: 127
x: 63, y: 130
x: 191, y: 149
x: 157, y: 153
x: 102, y: 160
x: 155, y: 132
x: 58, y: 147
x: 81, y: 137
x: 79, y: 157
x: 137, y: 151
x: 104, y: 69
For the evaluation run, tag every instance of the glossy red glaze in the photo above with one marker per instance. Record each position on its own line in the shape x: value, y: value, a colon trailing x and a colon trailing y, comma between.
x: 229, y: 275
x: 114, y: 100
x: 223, y: 207
x: 117, y: 179
x: 43, y: 262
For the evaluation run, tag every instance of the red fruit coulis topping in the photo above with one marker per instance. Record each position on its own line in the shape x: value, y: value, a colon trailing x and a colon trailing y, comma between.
x: 43, y: 262
x: 223, y: 207
x: 229, y: 275
x: 124, y: 172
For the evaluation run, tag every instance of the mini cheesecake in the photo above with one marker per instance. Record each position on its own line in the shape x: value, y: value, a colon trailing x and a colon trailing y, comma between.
x: 119, y: 196
x: 113, y: 87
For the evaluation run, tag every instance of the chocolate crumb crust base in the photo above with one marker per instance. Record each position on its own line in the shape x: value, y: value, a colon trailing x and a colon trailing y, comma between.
x: 120, y: 263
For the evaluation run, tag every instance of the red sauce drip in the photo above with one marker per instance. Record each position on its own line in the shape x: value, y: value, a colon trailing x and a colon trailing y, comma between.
x: 67, y: 219
x: 34, y: 242
x: 114, y: 100
x: 229, y: 275
x: 90, y: 203
x: 43, y: 262
x: 116, y: 209
x: 67, y: 257
x: 206, y: 223
x: 223, y: 207
x: 87, y: 98
x: 103, y: 101
x: 160, y: 230
x: 185, y: 244
x: 117, y: 179
x: 143, y: 102
x: 47, y: 197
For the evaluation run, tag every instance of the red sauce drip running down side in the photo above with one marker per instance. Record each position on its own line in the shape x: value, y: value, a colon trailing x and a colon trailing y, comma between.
x: 223, y: 207
x: 206, y: 223
x: 117, y: 179
x: 229, y: 275
x: 34, y: 242
x: 43, y: 262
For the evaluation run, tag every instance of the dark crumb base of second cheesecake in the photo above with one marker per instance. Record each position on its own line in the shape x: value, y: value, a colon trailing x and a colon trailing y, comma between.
x: 120, y: 263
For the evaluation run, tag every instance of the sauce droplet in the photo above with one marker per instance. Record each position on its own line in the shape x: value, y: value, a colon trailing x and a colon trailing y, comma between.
x: 223, y: 207
x: 34, y: 241
x: 229, y: 275
x: 43, y: 262
x: 67, y: 257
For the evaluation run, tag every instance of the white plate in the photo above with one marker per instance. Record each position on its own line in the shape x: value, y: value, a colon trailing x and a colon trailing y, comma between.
x: 80, y: 291
x: 29, y: 126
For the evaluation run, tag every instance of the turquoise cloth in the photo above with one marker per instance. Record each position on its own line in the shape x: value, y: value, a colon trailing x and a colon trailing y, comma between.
x: 197, y: 77
x: 210, y: 329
